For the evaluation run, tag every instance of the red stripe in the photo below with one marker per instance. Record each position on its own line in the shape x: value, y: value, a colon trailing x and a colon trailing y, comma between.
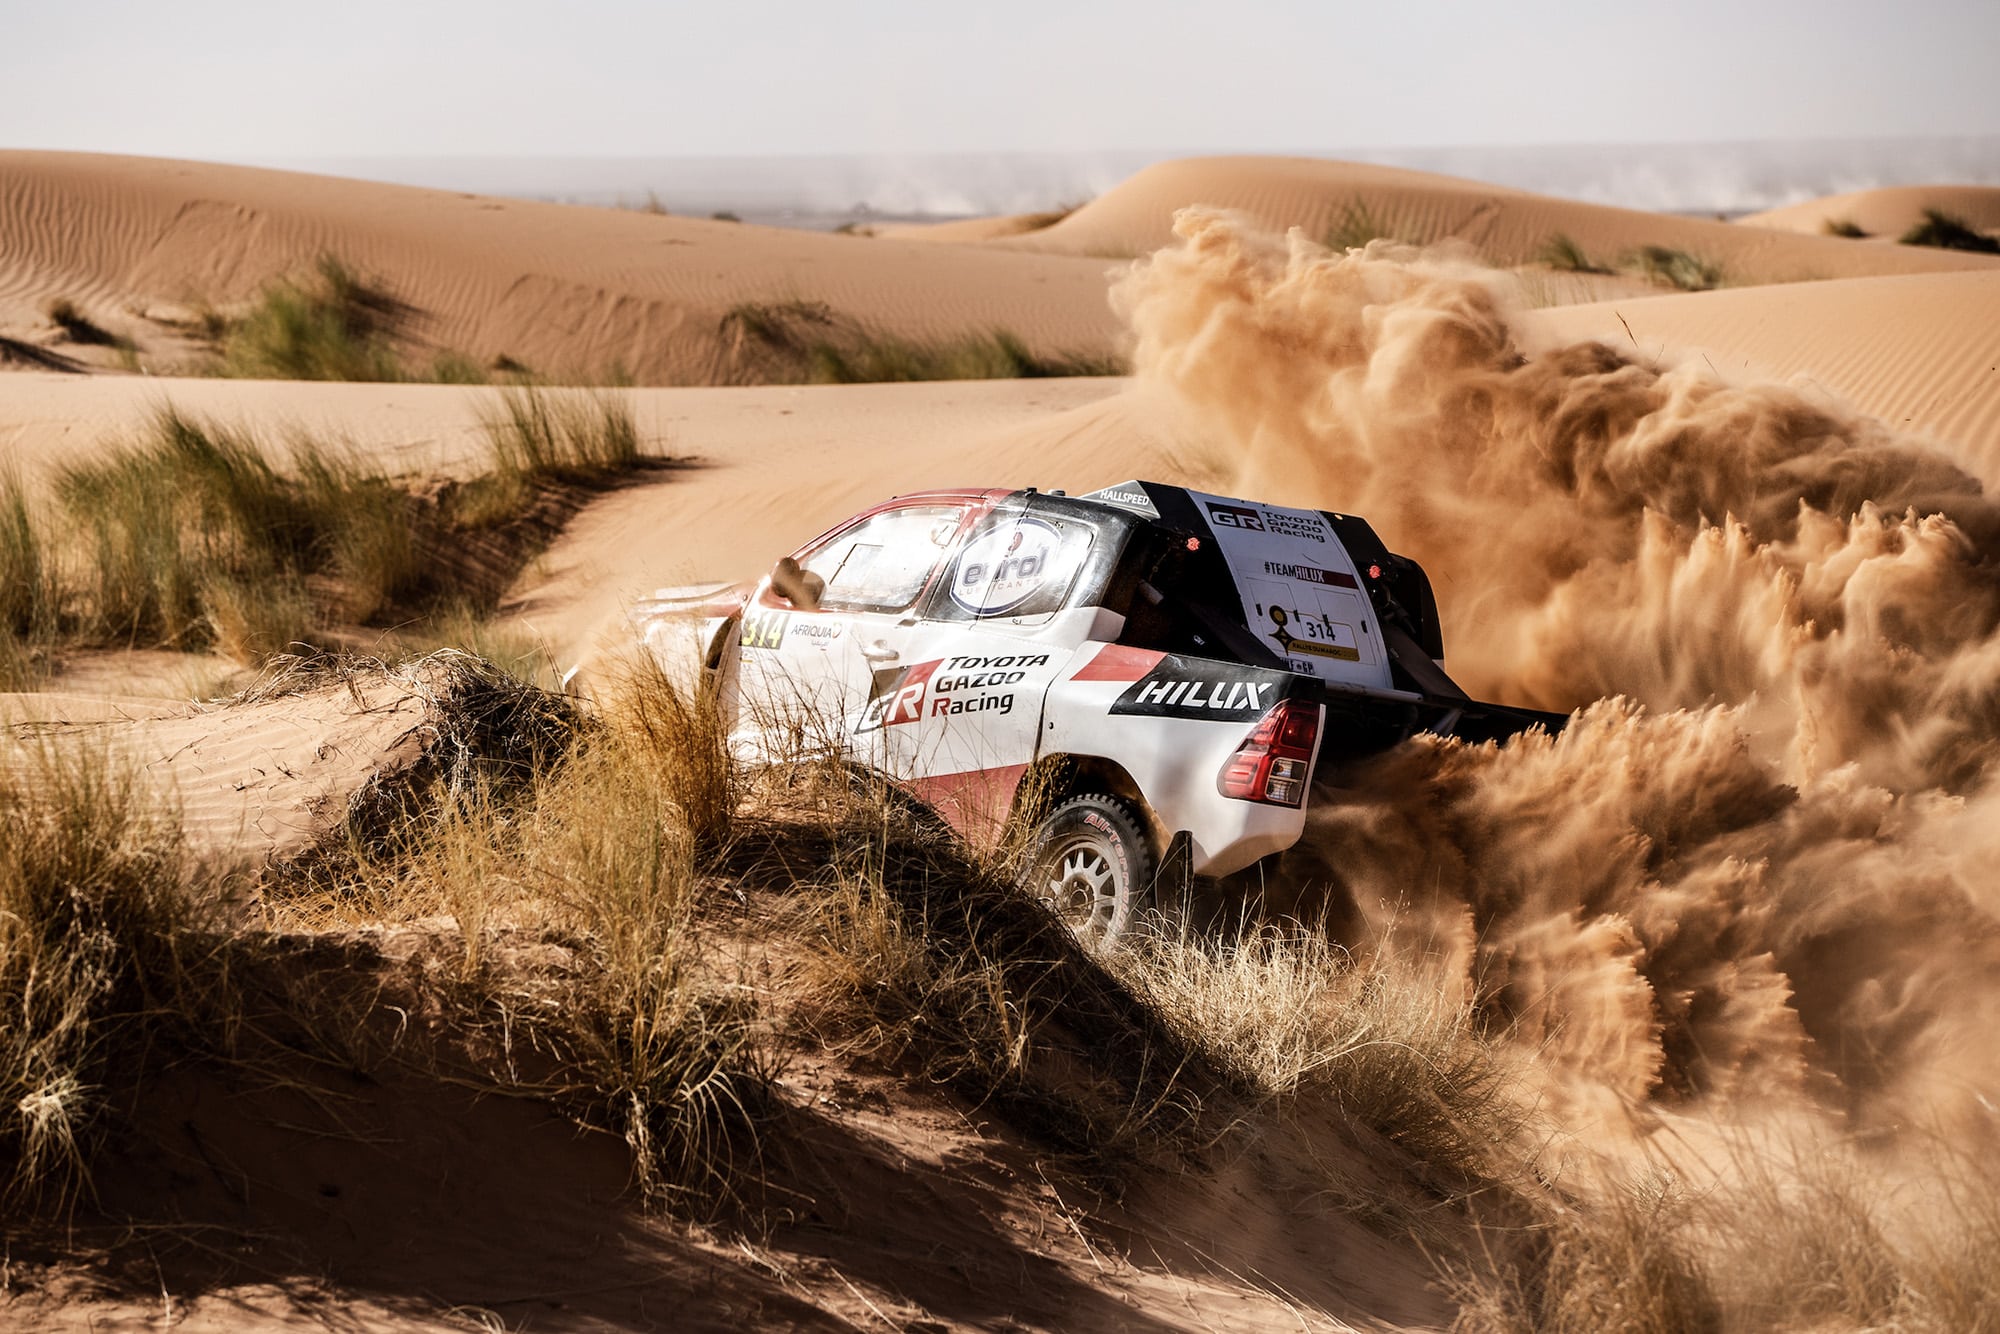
x: 975, y: 803
x: 1117, y: 662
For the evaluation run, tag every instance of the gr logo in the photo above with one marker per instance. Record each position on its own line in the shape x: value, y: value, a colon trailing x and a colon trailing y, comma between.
x: 1235, y: 516
x: 896, y: 696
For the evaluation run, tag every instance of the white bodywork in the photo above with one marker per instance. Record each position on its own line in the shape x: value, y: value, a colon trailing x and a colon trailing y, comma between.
x: 952, y: 655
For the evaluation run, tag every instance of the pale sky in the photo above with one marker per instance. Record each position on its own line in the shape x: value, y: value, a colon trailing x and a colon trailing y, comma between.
x: 228, y: 80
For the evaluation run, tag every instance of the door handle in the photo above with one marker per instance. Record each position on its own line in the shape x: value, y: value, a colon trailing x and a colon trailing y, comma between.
x: 879, y: 651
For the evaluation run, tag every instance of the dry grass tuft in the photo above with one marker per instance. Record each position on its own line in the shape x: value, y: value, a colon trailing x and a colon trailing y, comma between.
x: 1947, y: 232
x: 925, y: 960
x: 194, y: 538
x: 101, y: 915
x: 29, y: 594
x: 1676, y: 268
x: 1287, y: 1015
x: 593, y: 834
x: 573, y: 435
x: 1620, y: 1268
x: 1561, y: 253
x: 1357, y: 225
x: 806, y: 342
x: 80, y: 328
x: 331, y: 325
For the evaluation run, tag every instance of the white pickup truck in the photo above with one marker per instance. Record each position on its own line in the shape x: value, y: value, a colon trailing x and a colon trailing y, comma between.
x: 1150, y: 674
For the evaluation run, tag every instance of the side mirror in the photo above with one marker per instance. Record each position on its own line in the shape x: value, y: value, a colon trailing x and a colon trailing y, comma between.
x: 796, y: 584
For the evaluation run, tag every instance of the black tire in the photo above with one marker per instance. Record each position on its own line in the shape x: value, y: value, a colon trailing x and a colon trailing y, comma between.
x: 1093, y: 865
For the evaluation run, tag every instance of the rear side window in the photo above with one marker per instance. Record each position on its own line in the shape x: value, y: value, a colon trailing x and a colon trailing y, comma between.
x: 1014, y: 565
x: 884, y: 562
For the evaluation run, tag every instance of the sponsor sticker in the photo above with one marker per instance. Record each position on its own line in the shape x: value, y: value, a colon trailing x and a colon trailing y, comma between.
x: 1183, y: 688
x: 945, y: 687
x: 1001, y: 570
x: 1308, y: 526
x: 818, y: 633
x: 1236, y: 516
x: 1310, y: 574
x: 896, y: 696
x: 1135, y: 499
x: 1281, y: 523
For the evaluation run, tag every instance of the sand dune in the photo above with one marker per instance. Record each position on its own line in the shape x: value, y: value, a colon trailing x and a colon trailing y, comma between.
x: 1886, y: 212
x: 1919, y: 352
x: 137, y: 243
x: 1506, y: 226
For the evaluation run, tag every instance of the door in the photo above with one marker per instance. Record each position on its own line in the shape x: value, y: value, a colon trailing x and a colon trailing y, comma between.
x: 812, y: 672
x: 960, y: 723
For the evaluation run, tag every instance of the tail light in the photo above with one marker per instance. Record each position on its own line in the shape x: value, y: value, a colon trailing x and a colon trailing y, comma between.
x: 1273, y: 762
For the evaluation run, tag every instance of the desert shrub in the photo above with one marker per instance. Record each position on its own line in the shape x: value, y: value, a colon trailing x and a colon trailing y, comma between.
x: 1287, y: 1014
x: 99, y: 915
x: 806, y: 342
x: 924, y: 960
x: 1676, y: 268
x: 674, y: 1063
x: 331, y: 325
x: 593, y: 835
x: 1625, y: 1266
x: 992, y: 356
x: 449, y: 367
x: 79, y: 328
x: 1947, y: 232
x: 1562, y: 253
x: 193, y: 537
x: 1357, y: 225
x: 571, y: 434
x: 1846, y: 227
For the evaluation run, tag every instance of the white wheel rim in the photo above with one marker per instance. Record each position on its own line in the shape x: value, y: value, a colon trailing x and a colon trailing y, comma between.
x: 1081, y: 885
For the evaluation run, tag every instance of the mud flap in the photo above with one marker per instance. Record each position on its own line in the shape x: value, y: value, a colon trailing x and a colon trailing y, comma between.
x: 1173, y: 883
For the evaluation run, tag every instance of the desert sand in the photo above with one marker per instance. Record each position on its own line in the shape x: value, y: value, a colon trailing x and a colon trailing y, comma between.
x: 1758, y: 515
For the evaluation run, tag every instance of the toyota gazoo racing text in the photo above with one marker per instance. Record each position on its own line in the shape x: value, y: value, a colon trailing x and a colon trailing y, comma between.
x: 1150, y: 674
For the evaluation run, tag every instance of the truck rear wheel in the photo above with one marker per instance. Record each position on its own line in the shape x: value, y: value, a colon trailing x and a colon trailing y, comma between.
x: 1094, y: 866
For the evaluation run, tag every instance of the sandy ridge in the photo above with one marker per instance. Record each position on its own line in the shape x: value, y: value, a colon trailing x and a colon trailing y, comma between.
x: 561, y: 289
x: 1887, y: 211
x: 1506, y: 226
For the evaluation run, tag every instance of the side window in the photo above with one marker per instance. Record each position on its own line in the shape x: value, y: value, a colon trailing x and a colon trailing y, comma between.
x: 884, y: 562
x: 1014, y: 565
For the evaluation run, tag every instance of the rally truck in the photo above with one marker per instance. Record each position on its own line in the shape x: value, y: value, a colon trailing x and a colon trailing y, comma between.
x: 1142, y: 680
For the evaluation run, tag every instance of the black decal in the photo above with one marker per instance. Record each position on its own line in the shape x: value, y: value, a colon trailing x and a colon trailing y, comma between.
x: 1193, y: 688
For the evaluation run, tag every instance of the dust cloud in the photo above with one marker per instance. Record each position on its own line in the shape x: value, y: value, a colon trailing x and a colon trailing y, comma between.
x: 1762, y: 867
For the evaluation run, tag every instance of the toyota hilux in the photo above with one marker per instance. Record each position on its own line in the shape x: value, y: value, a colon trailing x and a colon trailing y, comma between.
x: 1142, y: 680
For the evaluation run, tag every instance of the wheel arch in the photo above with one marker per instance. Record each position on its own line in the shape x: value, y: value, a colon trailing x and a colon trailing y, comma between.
x: 1053, y: 779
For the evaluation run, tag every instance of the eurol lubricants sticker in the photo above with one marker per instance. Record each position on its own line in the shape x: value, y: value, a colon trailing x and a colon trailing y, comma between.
x: 1003, y: 569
